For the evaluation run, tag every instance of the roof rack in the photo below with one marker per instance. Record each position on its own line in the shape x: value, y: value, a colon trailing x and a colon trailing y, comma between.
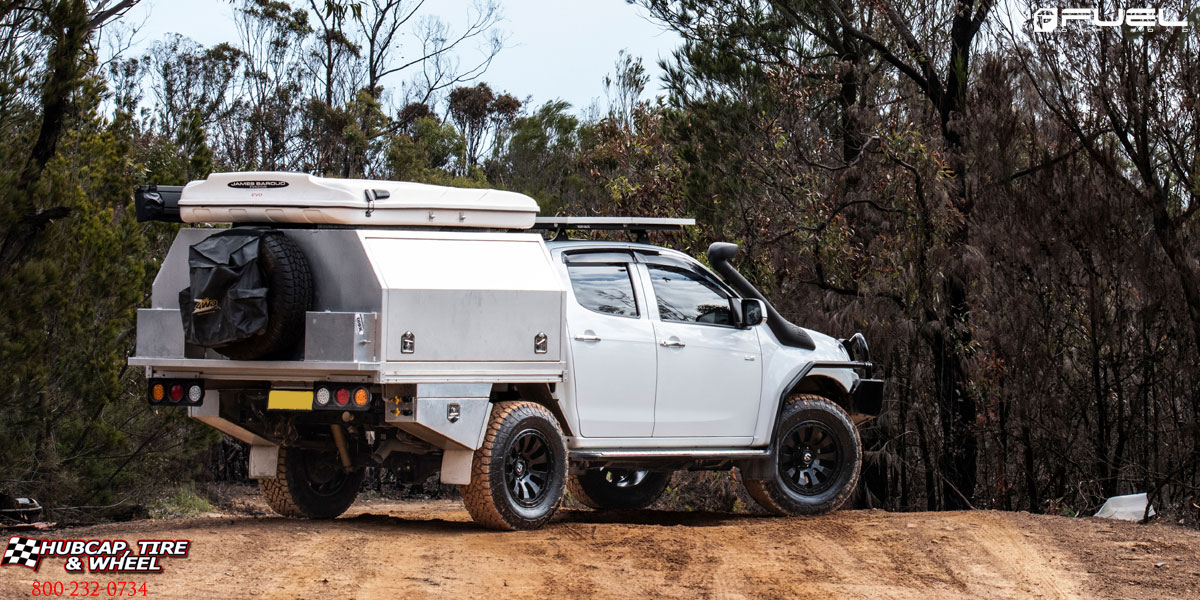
x: 639, y: 226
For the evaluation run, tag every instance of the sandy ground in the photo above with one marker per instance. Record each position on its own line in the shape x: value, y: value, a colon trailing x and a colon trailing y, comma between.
x: 384, y: 549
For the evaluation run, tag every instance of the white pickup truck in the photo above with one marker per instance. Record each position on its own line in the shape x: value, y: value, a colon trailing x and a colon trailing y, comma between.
x: 341, y: 325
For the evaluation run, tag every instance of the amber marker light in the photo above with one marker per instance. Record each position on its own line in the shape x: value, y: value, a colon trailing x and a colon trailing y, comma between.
x: 361, y: 397
x: 158, y: 392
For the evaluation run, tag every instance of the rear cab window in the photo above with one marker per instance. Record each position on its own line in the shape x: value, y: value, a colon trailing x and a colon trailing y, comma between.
x: 604, y: 288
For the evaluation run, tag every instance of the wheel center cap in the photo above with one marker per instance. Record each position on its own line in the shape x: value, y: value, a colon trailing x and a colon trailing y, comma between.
x: 520, y: 467
x: 808, y: 457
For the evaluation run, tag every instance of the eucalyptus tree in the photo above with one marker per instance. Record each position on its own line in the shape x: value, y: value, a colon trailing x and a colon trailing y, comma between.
x: 74, y: 264
x: 818, y: 71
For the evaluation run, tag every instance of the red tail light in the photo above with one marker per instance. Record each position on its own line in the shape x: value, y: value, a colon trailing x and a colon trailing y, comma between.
x: 343, y: 396
x: 167, y: 392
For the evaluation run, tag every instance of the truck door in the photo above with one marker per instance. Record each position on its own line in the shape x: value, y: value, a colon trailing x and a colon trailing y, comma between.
x: 612, y: 347
x: 709, y: 370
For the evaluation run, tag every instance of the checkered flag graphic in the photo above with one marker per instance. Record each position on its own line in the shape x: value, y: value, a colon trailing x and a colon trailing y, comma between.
x: 24, y: 552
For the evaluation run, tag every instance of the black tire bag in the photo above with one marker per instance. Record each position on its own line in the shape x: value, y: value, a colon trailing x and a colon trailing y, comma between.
x: 250, y: 289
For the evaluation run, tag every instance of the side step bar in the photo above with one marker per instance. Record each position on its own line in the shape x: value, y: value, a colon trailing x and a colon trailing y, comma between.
x: 668, y: 453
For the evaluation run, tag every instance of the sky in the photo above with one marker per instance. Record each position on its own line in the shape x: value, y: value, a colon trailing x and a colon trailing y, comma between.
x: 554, y: 49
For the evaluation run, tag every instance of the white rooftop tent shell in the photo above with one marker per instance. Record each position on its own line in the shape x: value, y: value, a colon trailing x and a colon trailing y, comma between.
x: 277, y: 197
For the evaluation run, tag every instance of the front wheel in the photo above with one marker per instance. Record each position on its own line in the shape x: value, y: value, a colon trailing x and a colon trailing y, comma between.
x: 622, y: 489
x: 818, y: 456
x: 519, y: 472
x: 311, y: 484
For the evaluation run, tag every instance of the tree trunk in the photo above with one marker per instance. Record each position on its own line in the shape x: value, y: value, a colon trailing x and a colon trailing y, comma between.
x: 69, y: 22
x: 1166, y: 230
x: 956, y: 407
x: 1031, y: 484
x: 931, y: 497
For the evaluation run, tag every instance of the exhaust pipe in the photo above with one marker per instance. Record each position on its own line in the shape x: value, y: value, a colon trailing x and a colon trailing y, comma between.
x: 719, y: 255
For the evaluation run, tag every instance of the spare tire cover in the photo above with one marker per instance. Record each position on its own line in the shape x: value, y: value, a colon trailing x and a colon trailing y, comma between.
x: 227, y: 299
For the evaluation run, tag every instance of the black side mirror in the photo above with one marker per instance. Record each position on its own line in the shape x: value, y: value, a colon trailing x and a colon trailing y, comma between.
x: 754, y: 312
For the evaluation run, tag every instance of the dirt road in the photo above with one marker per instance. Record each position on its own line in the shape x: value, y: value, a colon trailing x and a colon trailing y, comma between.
x: 384, y: 549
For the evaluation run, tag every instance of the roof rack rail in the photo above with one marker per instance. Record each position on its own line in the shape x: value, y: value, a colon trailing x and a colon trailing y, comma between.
x: 640, y: 226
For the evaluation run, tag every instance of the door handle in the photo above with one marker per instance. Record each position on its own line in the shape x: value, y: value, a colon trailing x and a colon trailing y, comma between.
x: 587, y: 338
x: 671, y: 344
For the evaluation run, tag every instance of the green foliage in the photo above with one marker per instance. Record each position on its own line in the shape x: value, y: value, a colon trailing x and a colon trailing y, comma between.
x: 704, y: 491
x: 74, y: 428
x: 1016, y: 303
x: 478, y: 112
x: 540, y: 159
x: 179, y: 502
x: 428, y: 154
x: 73, y: 424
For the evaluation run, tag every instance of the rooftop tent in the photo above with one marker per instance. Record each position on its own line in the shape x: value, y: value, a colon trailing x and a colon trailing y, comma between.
x: 276, y: 197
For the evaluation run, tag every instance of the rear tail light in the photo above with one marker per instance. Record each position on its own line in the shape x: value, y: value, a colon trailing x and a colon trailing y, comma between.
x: 176, y: 392
x: 341, y: 396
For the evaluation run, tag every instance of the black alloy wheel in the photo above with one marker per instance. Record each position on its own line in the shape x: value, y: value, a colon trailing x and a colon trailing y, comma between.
x: 323, y: 473
x: 311, y: 483
x: 618, y: 489
x: 528, y: 468
x: 624, y: 478
x: 810, y: 458
x: 818, y: 455
x: 519, y: 471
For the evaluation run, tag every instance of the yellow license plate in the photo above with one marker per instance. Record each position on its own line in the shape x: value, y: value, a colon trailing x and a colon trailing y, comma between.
x: 289, y: 400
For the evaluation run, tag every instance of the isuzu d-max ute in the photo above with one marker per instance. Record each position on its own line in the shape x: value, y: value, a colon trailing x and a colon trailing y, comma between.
x: 339, y: 325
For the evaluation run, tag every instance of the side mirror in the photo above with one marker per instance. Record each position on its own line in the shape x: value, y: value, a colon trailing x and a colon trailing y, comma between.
x: 754, y: 312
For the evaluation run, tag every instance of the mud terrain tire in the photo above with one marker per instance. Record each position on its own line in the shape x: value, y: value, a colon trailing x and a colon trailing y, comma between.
x: 289, y: 296
x: 617, y: 489
x: 519, y: 473
x: 818, y: 454
x: 310, y: 484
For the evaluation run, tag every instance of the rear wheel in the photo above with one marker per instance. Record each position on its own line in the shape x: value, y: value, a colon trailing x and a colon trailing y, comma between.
x: 518, y: 474
x: 311, y: 484
x: 818, y: 456
x: 627, y: 489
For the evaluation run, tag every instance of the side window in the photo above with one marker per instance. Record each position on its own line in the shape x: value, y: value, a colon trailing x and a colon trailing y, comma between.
x: 688, y: 297
x: 606, y: 289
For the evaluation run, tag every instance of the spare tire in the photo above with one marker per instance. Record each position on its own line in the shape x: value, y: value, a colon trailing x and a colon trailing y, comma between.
x: 262, y: 286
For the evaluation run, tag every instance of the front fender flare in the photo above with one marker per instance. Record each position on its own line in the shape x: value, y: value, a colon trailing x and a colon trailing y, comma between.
x: 761, y: 468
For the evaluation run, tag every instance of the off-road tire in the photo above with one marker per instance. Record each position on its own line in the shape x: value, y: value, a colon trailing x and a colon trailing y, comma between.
x: 489, y: 498
x: 779, y: 497
x: 599, y: 489
x: 293, y: 493
x: 289, y: 295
